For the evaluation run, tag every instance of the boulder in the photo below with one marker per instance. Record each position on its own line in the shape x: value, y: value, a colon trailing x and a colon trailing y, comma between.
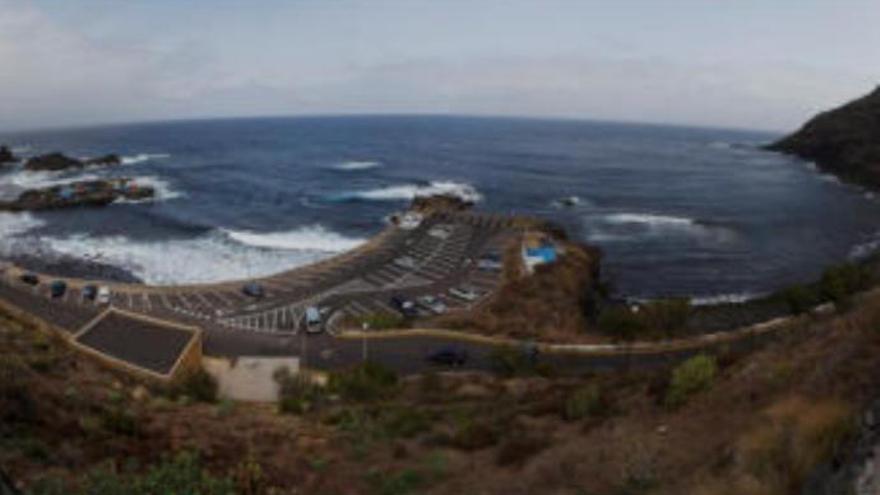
x: 440, y: 202
x: 52, y: 162
x: 6, y: 156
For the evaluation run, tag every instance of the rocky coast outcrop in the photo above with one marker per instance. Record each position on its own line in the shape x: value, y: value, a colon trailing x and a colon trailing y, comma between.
x: 74, y: 194
x: 6, y: 156
x: 59, y: 161
x: 844, y: 141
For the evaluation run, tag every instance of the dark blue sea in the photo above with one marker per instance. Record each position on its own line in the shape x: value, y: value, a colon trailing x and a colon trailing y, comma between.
x: 678, y: 211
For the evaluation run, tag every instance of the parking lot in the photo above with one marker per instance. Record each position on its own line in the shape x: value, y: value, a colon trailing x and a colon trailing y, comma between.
x: 437, y: 258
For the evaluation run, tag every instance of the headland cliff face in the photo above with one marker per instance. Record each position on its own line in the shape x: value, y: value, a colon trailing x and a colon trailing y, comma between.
x: 844, y: 141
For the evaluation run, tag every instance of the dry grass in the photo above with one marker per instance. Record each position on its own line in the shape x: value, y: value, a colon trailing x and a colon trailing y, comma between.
x: 553, y: 304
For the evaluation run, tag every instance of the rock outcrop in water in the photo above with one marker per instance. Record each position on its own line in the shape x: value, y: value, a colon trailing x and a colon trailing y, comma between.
x: 6, y: 156
x: 844, y: 141
x: 440, y: 202
x: 83, y: 193
x: 59, y: 161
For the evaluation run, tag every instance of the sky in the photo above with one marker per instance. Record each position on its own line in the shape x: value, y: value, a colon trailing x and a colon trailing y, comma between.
x: 753, y: 64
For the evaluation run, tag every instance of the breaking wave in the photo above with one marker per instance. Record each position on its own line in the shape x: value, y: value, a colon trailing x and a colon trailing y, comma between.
x: 648, y: 219
x: 213, y: 257
x: 356, y: 165
x: 404, y: 192
x: 12, y: 224
x: 143, y: 157
x: 313, y: 238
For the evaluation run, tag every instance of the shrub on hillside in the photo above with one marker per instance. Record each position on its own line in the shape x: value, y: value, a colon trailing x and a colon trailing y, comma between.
x: 366, y: 382
x: 791, y: 439
x: 585, y: 402
x: 621, y: 322
x: 799, y: 299
x: 666, y: 316
x: 296, y: 393
x: 382, y: 321
x: 841, y: 281
x: 690, y: 377
x: 197, y: 385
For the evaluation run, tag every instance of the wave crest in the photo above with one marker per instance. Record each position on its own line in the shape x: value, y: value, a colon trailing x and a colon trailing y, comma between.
x: 143, y: 157
x: 409, y: 192
x: 352, y: 166
x: 312, y: 238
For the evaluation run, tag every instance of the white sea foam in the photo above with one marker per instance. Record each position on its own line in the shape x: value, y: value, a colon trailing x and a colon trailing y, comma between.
x: 163, y: 189
x: 13, y: 224
x: 461, y: 190
x: 212, y: 257
x: 357, y: 165
x: 734, y: 298
x: 143, y: 157
x: 648, y: 219
x: 313, y: 238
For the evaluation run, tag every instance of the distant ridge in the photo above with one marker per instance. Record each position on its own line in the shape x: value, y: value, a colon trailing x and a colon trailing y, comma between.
x: 844, y: 141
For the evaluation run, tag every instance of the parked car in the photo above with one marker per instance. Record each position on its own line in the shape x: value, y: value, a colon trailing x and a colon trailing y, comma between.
x: 254, y: 290
x: 103, y: 296
x: 30, y: 279
x: 449, y: 356
x: 433, y: 304
x: 313, y: 320
x: 57, y: 288
x: 490, y: 262
x: 406, y: 307
x: 89, y: 292
x: 465, y: 292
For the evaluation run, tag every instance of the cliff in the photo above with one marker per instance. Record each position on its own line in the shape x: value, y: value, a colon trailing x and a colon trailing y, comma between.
x: 844, y: 141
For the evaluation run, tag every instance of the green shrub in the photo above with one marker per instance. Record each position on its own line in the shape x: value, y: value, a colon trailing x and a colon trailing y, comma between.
x: 120, y: 421
x: 405, y: 482
x: 667, y: 316
x: 475, y: 433
x: 691, y: 377
x: 198, y: 385
x: 382, y: 321
x: 841, y: 281
x: 799, y: 299
x: 296, y: 393
x: 620, y: 322
x: 584, y: 402
x: 512, y: 361
x: 366, y: 382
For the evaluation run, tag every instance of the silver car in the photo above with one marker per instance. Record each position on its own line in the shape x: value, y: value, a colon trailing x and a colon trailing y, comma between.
x: 433, y: 304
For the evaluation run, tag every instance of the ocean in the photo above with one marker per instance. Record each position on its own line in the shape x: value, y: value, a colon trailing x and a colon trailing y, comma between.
x: 702, y: 213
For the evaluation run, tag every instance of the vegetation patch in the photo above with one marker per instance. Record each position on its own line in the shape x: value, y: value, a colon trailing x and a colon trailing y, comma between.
x: 691, y: 377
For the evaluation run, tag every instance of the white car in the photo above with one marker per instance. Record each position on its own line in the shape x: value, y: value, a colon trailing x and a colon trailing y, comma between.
x: 313, y: 320
x: 441, y: 231
x: 433, y: 304
x: 464, y: 292
x: 103, y: 296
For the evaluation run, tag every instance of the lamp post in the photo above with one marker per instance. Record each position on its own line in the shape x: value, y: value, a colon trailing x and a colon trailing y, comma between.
x: 364, y: 327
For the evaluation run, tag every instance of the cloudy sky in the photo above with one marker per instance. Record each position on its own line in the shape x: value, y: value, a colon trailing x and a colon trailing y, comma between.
x: 745, y: 63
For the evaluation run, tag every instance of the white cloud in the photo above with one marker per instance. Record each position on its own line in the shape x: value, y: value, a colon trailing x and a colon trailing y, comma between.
x: 53, y: 74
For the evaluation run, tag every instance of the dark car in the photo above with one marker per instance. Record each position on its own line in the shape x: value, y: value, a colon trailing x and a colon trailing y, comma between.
x: 57, y: 288
x: 405, y: 306
x: 30, y: 279
x: 89, y: 292
x: 449, y: 356
x: 254, y: 290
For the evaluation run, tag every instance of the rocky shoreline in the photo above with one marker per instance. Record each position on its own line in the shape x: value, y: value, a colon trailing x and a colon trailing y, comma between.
x: 63, y: 266
x: 844, y: 141
x: 81, y: 193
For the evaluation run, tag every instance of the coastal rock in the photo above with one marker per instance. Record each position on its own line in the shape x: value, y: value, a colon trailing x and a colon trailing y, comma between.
x: 82, y: 193
x: 52, y: 162
x: 6, y: 156
x: 59, y: 161
x: 106, y: 160
x: 440, y: 202
x: 844, y: 141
